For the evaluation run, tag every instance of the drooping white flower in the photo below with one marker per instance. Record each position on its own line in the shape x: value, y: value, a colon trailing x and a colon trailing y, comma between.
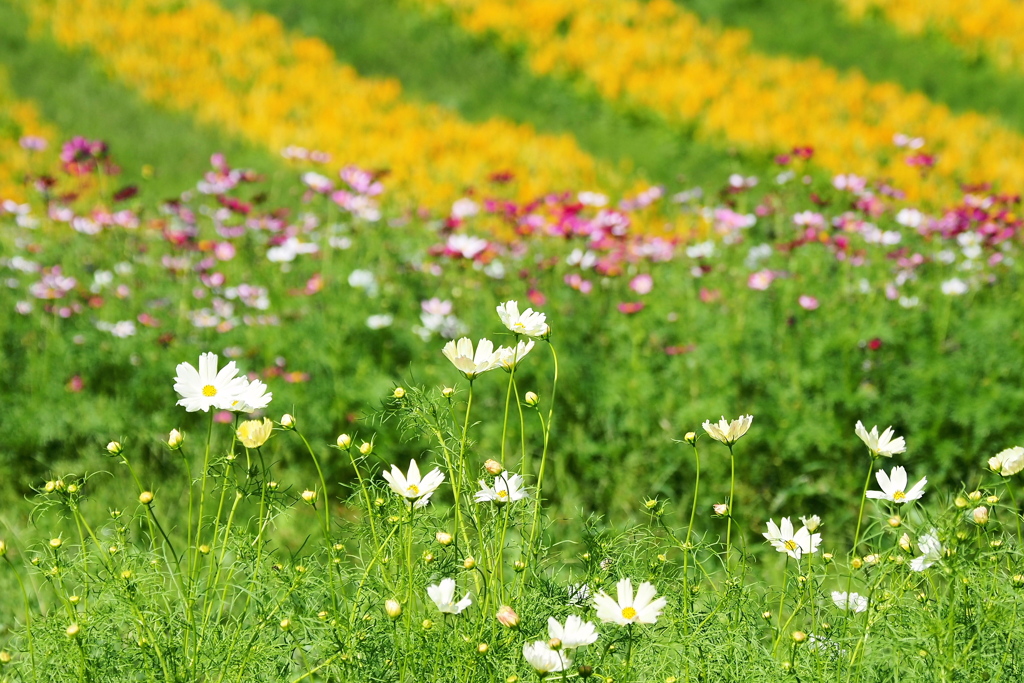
x: 880, y: 445
x: 469, y: 362
x: 417, y: 489
x: 443, y: 595
x: 543, y: 659
x: 510, y: 356
x: 529, y: 322
x: 579, y: 593
x: 642, y: 609
x: 574, y: 633
x: 1007, y: 462
x: 252, y: 398
x: 207, y: 387
x: 506, y: 489
x: 853, y: 602
x: 794, y: 543
x: 894, y: 487
x: 728, y: 432
x: 931, y: 551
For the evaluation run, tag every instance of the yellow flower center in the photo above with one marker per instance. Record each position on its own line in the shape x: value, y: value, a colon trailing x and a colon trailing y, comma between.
x: 899, y: 495
x: 412, y: 490
x: 789, y: 545
x: 519, y: 326
x: 209, y: 390
x: 502, y: 494
x: 628, y: 613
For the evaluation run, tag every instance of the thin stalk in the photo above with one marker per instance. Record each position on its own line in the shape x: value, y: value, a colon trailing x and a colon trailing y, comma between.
x: 732, y: 496
x: 546, y: 429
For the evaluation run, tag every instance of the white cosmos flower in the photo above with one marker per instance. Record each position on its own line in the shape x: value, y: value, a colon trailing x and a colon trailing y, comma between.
x: 412, y: 486
x: 728, y: 432
x: 880, y: 445
x: 529, y: 322
x: 252, y: 398
x: 794, y: 543
x: 543, y: 659
x: 1007, y: 462
x: 643, y: 609
x: 931, y: 551
x: 207, y: 387
x: 575, y: 633
x: 507, y: 489
x: 853, y: 602
x: 894, y: 487
x: 469, y: 362
x: 509, y: 356
x: 443, y: 595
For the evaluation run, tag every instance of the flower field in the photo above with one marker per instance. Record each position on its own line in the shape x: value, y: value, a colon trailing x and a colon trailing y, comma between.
x: 388, y: 341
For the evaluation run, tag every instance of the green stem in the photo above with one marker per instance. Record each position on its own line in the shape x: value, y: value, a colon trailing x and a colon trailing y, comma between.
x: 732, y: 495
x: 546, y: 429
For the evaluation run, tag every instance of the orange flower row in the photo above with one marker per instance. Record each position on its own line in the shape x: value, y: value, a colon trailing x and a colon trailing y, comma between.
x: 250, y: 77
x: 656, y: 55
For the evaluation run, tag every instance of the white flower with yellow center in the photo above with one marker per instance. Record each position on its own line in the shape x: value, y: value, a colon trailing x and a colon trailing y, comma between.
x: 728, y: 432
x: 510, y: 356
x: 894, y: 487
x: 852, y: 602
x: 529, y: 322
x: 1007, y: 462
x: 507, y: 488
x: 794, y: 543
x: 469, y: 362
x: 642, y: 609
x: 207, y: 387
x: 413, y: 487
x: 443, y: 595
x: 880, y: 444
x: 543, y: 659
x: 252, y: 398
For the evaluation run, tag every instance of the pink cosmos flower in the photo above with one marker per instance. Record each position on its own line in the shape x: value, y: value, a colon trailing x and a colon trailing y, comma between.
x: 760, y: 280
x: 642, y: 284
x: 631, y: 307
x: 808, y: 303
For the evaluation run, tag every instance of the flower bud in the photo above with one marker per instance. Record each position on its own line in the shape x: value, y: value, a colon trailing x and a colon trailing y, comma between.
x: 393, y: 608
x: 651, y: 503
x: 126, y: 574
x: 175, y: 439
x: 980, y: 515
x: 531, y: 399
x: 3, y: 548
x: 447, y: 392
x: 444, y: 538
x: 56, y: 542
x: 996, y: 543
x: 399, y: 392
x: 960, y: 502
x: 469, y: 562
x: 72, y: 488
x: 827, y: 557
x: 286, y: 624
x: 287, y: 421
x: 366, y: 448
x: 721, y: 509
x: 507, y: 617
x: 974, y: 496
x: 555, y: 644
x: 766, y: 615
x: 427, y: 624
x: 992, y: 500
x: 690, y: 438
x: 50, y: 486
x: 798, y: 636
x: 428, y: 557
x: 905, y: 542
x: 519, y: 566
x: 146, y: 497
x: 895, y: 521
x: 586, y: 671
x: 204, y: 549
x: 493, y: 467
x: 344, y: 441
x: 812, y: 523
x: 114, y: 448
x: 856, y: 563
x: 309, y: 497
x: 1017, y: 580
x: 5, y: 657
x: 73, y: 631
x: 872, y: 559
x: 482, y: 648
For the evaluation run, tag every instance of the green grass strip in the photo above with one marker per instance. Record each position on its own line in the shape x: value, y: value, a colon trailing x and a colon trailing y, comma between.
x: 877, y: 49
x: 73, y: 93
x: 437, y: 62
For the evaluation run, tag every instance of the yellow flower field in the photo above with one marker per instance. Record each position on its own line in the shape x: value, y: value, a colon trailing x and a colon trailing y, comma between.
x: 993, y: 28
x: 18, y: 118
x: 250, y: 77
x: 656, y: 55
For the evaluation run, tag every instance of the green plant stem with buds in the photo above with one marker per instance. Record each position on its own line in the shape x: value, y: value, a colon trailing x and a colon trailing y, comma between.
x: 732, y: 499
x: 546, y: 431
